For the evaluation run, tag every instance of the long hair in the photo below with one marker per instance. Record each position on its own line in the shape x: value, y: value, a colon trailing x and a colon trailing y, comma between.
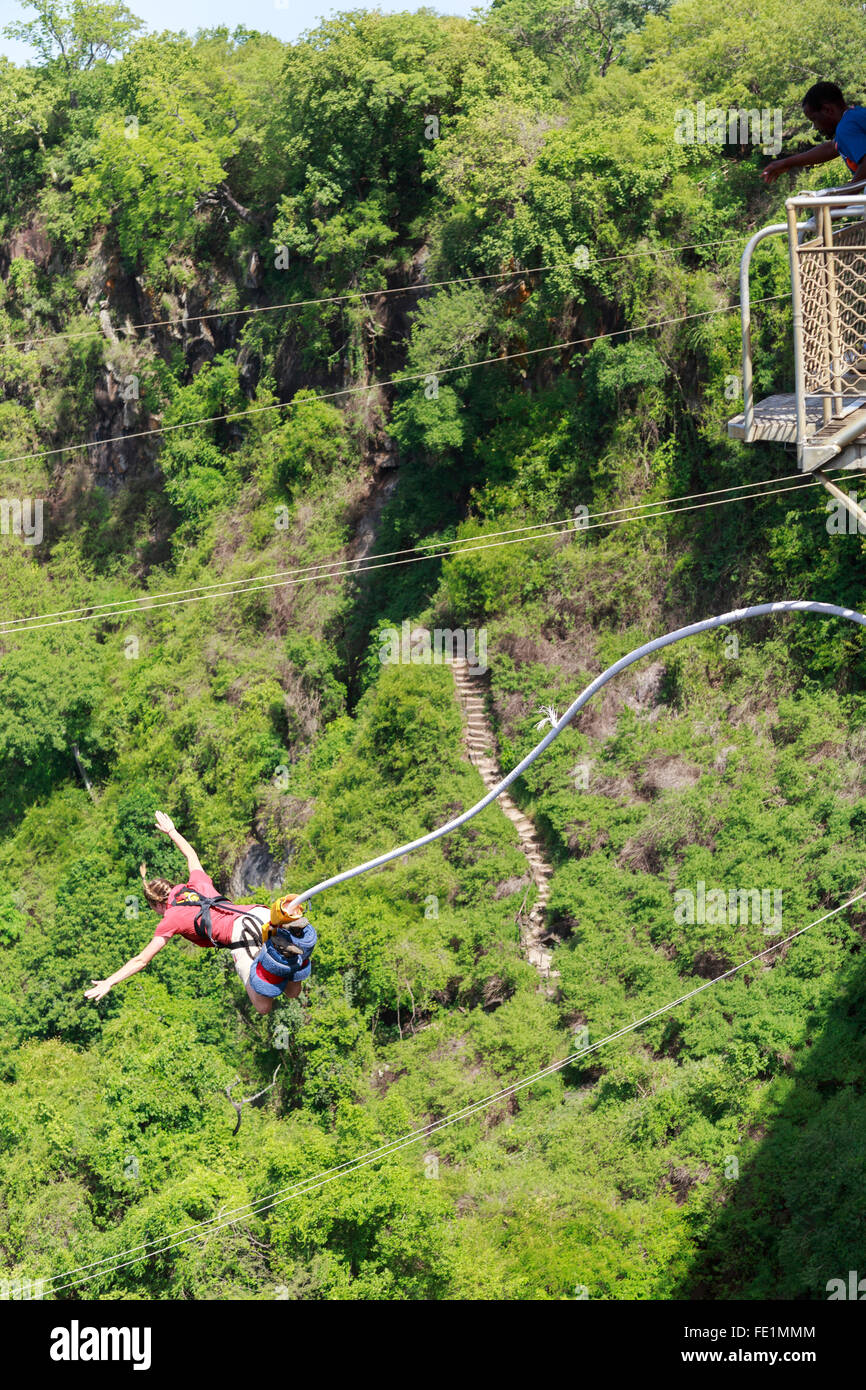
x: 156, y: 890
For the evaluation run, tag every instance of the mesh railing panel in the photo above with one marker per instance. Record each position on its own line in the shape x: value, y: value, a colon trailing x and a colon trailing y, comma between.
x: 833, y: 292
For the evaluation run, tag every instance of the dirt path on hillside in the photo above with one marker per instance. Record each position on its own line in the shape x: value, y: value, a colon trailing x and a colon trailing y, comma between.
x: 481, y: 745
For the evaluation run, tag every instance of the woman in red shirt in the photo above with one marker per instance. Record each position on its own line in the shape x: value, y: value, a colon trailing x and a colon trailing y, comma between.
x: 243, y: 924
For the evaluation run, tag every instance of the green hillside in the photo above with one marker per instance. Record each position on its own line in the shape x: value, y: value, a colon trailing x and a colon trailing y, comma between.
x: 512, y: 294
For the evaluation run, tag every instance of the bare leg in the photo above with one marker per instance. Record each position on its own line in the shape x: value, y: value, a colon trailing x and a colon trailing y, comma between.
x: 249, y: 930
x: 263, y: 1005
x: 260, y: 1002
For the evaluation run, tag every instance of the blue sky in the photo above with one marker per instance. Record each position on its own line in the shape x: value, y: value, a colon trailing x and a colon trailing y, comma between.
x: 284, y: 18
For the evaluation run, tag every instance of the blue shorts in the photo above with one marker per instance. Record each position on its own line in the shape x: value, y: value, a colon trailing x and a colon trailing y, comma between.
x: 275, y: 986
x: 271, y: 972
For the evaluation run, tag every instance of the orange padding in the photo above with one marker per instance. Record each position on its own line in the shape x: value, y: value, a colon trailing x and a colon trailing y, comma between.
x: 279, y: 915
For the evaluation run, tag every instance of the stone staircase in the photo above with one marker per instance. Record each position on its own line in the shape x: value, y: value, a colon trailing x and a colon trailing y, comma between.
x: 480, y: 744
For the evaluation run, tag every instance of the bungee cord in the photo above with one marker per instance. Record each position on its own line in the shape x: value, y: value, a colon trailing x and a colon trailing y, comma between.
x: 319, y: 1180
x: 736, y: 615
x: 111, y: 1264
x: 122, y: 608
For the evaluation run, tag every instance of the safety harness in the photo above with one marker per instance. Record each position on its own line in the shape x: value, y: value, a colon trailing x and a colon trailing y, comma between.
x: 279, y: 959
x: 278, y: 953
x: 275, y: 964
x: 273, y: 932
x: 190, y: 897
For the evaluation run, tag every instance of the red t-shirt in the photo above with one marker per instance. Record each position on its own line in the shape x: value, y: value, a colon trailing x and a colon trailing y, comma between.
x: 180, y: 921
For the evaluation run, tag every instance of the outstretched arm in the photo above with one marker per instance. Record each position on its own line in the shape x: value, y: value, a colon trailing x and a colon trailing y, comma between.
x: 132, y: 967
x: 818, y: 154
x: 166, y: 825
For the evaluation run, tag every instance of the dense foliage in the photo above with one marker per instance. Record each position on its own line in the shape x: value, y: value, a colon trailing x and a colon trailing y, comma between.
x: 377, y: 165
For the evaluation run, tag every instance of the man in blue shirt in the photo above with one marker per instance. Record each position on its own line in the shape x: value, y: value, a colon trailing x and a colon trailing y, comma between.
x: 844, y: 126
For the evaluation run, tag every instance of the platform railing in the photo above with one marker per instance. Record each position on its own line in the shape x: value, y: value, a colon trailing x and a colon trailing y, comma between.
x: 827, y: 253
x: 828, y: 289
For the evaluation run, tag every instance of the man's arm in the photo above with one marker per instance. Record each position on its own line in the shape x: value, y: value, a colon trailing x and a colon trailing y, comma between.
x: 166, y: 825
x: 818, y: 154
x: 132, y: 967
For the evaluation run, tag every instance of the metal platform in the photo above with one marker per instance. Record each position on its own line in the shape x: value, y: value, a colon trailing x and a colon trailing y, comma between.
x: 826, y: 413
x: 775, y: 420
x: 825, y: 417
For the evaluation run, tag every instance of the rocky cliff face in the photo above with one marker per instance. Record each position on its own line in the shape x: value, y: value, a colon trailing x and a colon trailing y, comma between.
x: 137, y: 326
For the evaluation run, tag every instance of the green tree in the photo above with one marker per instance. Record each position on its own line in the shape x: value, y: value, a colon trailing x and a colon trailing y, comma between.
x: 26, y: 107
x: 580, y: 39
x: 78, y: 33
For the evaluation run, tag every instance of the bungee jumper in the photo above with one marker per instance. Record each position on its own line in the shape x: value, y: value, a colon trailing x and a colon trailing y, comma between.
x: 844, y: 127
x: 271, y: 947
x: 280, y: 936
